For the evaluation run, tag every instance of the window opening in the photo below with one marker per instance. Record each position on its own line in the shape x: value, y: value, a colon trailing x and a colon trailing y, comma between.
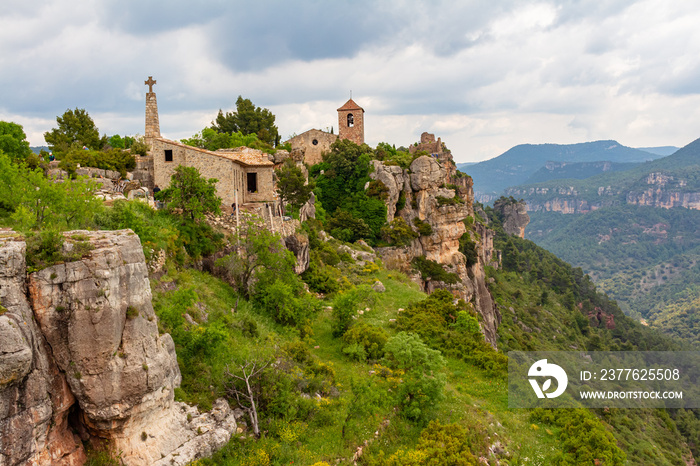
x: 252, y: 182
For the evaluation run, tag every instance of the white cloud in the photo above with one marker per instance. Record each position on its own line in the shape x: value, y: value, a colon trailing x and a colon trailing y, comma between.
x: 483, y: 76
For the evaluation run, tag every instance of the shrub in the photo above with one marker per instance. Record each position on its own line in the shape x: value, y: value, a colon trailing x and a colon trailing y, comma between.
x: 431, y: 270
x: 398, y: 232
x: 468, y: 247
x: 344, y: 308
x: 377, y: 190
x: 422, y: 387
x: 369, y: 338
x: 44, y: 249
x: 131, y: 312
x: 424, y: 228
x: 449, y: 200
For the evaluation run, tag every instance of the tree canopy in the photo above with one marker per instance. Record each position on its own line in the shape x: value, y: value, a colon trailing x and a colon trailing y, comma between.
x: 75, y: 129
x: 191, y: 194
x: 291, y: 184
x: 248, y: 119
x: 13, y: 141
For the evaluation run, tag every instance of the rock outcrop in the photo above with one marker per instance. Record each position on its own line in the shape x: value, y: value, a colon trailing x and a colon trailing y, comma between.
x: 436, y: 195
x: 80, y: 352
x: 35, y: 399
x: 514, y: 215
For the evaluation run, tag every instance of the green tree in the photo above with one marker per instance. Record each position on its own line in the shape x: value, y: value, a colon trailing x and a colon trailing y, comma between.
x: 248, y: 119
x: 192, y: 195
x: 75, y: 129
x: 13, y: 141
x: 422, y: 387
x: 117, y: 142
x: 291, y: 184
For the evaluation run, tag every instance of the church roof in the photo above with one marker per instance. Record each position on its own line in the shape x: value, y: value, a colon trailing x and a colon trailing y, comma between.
x: 350, y: 105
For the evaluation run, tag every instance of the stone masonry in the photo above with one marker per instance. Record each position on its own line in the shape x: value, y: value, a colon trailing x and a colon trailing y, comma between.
x: 351, y: 124
x: 312, y: 144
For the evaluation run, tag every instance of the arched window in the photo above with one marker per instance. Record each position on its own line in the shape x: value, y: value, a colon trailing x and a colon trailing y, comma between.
x: 351, y: 120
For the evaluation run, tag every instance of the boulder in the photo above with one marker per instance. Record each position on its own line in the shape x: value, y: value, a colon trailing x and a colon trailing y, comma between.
x: 378, y: 287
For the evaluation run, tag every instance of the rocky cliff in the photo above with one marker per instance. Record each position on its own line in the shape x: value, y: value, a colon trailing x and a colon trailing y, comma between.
x: 81, y: 360
x: 436, y: 195
x: 654, y: 189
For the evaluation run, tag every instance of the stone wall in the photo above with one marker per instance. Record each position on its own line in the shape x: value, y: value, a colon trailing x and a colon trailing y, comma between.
x: 313, y: 152
x: 428, y: 144
x: 231, y: 174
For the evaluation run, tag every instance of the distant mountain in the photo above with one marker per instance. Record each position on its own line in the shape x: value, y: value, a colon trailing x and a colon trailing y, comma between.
x: 662, y: 150
x: 516, y: 165
x: 672, y: 181
x: 576, y: 170
x: 37, y: 149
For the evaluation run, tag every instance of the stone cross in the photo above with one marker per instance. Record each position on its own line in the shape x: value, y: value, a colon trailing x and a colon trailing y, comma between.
x: 150, y: 83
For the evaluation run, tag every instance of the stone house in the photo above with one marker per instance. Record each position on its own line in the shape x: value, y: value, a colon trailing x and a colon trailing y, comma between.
x: 245, y: 171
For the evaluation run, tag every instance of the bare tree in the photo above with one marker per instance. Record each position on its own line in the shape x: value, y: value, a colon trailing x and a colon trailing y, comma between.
x: 246, y: 397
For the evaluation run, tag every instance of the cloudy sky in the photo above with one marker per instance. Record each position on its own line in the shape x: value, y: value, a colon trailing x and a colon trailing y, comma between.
x: 483, y: 75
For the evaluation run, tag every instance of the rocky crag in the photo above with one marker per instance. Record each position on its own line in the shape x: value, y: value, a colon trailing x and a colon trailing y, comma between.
x: 81, y: 360
x: 513, y: 214
x: 436, y: 194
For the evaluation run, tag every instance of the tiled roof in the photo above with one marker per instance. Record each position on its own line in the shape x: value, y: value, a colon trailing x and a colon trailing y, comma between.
x: 350, y: 105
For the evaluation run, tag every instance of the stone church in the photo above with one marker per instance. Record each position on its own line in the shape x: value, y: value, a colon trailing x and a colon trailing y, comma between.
x: 312, y: 144
x: 243, y: 171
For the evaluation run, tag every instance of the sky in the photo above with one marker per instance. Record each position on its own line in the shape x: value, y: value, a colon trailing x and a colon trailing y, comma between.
x: 482, y: 75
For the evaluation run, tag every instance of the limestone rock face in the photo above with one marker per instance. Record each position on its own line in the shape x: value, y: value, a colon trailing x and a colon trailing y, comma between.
x: 515, y: 217
x: 34, y: 397
x: 394, y: 178
x: 426, y: 173
x: 308, y: 210
x: 436, y: 195
x: 299, y: 245
x: 82, y: 336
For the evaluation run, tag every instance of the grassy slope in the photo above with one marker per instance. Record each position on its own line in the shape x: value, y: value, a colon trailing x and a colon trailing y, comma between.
x: 473, y: 397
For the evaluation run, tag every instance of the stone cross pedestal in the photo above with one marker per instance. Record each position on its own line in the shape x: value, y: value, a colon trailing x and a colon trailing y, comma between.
x: 152, y: 124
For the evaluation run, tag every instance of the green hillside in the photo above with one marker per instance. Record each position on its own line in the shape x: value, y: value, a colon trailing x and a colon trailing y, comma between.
x: 646, y: 258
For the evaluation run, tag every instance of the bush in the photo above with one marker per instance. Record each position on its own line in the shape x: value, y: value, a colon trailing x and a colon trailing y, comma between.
x: 431, y: 270
x: 422, y: 387
x: 344, y: 309
x: 369, y: 338
x: 424, y: 228
x: 377, y: 190
x: 398, y: 232
x: 468, y: 247
x: 44, y: 249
